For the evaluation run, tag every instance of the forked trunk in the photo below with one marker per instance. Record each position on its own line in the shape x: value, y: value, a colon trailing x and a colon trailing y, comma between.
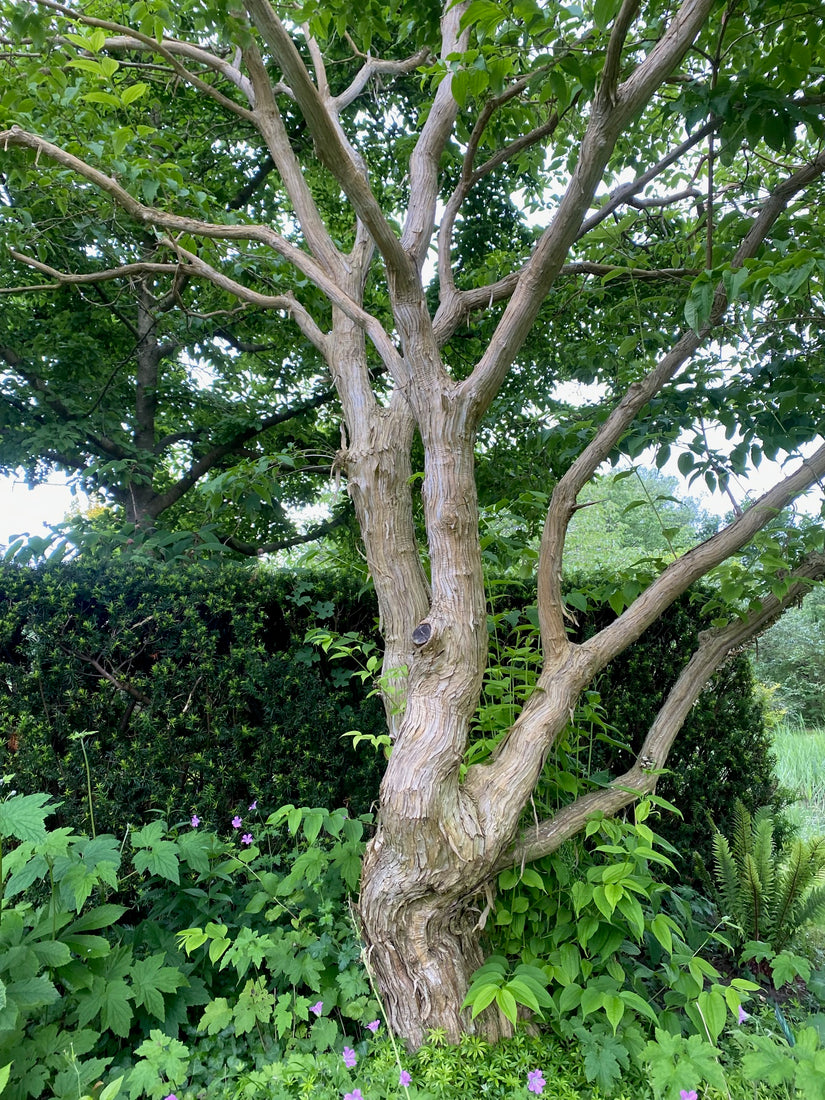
x: 422, y: 948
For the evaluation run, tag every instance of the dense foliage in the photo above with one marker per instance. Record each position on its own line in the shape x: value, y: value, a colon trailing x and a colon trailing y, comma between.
x: 614, y: 193
x: 792, y: 655
x: 165, y: 959
x: 194, y: 685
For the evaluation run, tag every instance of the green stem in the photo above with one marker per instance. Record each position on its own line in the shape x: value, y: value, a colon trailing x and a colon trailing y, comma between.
x: 89, y: 787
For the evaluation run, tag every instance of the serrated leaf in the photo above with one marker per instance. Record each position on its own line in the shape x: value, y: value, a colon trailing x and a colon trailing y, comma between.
x: 23, y: 816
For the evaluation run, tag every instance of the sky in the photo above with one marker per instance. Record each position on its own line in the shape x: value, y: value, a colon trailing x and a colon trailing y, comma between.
x: 28, y: 510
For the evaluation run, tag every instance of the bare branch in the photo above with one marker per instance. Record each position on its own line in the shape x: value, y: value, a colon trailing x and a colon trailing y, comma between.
x: 656, y: 201
x: 627, y: 191
x: 333, y: 149
x: 63, y: 278
x: 701, y: 559
x: 714, y: 646
x: 426, y: 156
x: 252, y: 550
x: 121, y: 685
x: 606, y: 122
x: 373, y: 67
x: 272, y: 129
x: 615, y: 45
x: 305, y: 263
x: 130, y: 41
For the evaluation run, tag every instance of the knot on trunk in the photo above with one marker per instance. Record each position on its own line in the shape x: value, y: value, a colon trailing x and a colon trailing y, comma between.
x: 422, y: 633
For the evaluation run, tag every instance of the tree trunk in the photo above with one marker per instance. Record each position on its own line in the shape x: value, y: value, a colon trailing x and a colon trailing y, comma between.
x: 423, y: 945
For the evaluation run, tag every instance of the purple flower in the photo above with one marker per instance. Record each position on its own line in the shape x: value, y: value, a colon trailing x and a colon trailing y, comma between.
x: 253, y: 805
x: 237, y: 822
x: 687, y: 1094
x: 354, y: 1095
x: 404, y: 1078
x: 171, y: 1096
x: 195, y: 821
x: 743, y: 1015
x: 374, y: 1026
x: 317, y: 1008
x: 536, y: 1083
x: 246, y: 838
x: 348, y: 1054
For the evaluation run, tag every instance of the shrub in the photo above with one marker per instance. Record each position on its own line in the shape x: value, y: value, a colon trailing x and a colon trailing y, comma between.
x: 193, y: 681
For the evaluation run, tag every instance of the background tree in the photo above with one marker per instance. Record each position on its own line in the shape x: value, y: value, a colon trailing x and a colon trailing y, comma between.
x: 601, y: 127
x: 792, y: 655
x: 148, y: 390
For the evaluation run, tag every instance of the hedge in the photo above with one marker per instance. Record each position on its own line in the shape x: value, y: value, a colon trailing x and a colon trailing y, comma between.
x: 200, y: 695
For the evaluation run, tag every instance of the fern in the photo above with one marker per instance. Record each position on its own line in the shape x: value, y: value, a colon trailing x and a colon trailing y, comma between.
x: 765, y: 867
x: 769, y: 893
x: 727, y: 878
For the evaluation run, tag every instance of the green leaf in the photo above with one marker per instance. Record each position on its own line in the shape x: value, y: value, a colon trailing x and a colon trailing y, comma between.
x: 133, y: 92
x: 713, y: 1012
x: 105, y: 98
x: 507, y: 1003
x: 23, y: 816
x: 216, y: 1016
x: 161, y: 859
x: 104, y: 916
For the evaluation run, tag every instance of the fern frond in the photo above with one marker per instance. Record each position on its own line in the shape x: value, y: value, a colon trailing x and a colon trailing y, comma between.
x: 741, y: 834
x: 797, y: 875
x: 753, y: 896
x: 727, y: 879
x: 812, y: 908
x: 764, y: 858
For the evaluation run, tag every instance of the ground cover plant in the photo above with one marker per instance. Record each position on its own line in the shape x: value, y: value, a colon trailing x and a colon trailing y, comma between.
x: 217, y: 964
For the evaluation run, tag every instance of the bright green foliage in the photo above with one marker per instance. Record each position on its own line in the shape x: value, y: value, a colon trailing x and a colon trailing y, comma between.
x: 591, y: 927
x: 83, y: 980
x: 674, y: 1059
x: 800, y: 1066
x: 723, y: 751
x: 262, y: 992
x: 792, y: 655
x: 766, y: 893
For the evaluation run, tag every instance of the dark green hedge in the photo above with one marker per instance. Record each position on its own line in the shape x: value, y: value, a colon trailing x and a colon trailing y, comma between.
x: 723, y: 751
x: 195, y: 682
x: 201, y: 696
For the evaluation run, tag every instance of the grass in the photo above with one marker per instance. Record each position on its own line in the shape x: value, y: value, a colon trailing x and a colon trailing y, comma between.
x: 800, y: 766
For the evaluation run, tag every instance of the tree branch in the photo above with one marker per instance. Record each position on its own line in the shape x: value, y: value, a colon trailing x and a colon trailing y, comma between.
x: 562, y: 504
x: 372, y: 67
x: 333, y: 149
x: 137, y: 40
x: 251, y: 550
x: 714, y: 646
x: 606, y: 122
x: 678, y: 576
x: 615, y: 45
x: 426, y: 155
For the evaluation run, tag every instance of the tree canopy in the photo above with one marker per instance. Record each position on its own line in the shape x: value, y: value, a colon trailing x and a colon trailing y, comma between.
x: 459, y: 208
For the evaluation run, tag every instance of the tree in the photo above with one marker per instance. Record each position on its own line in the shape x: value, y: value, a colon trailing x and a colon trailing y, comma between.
x: 649, y: 156
x: 147, y: 393
x: 792, y: 654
